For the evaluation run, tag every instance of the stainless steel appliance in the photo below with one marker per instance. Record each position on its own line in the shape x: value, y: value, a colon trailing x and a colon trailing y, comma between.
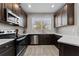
x: 11, y: 17
x: 20, y: 45
x: 34, y: 39
x: 9, y: 46
x: 20, y: 41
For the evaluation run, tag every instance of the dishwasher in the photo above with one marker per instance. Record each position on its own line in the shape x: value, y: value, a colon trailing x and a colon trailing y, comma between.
x: 34, y: 39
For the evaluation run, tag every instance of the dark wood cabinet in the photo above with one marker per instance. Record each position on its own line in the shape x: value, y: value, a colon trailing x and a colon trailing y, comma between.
x: 14, y: 7
x: 28, y: 39
x: 49, y: 39
x: 64, y: 16
x: 8, y: 5
x: 70, y: 13
x: 68, y: 50
x: 20, y: 12
x: 17, y: 10
x: 7, y: 49
x: 46, y: 39
x: 0, y: 11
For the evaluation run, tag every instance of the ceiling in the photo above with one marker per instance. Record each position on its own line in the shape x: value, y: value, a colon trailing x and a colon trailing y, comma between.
x: 41, y: 7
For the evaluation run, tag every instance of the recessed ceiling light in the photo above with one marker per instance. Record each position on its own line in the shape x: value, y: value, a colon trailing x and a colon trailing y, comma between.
x: 29, y: 6
x: 52, y: 6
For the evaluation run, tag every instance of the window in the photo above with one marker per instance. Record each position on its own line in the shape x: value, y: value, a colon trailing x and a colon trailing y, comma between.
x: 41, y: 23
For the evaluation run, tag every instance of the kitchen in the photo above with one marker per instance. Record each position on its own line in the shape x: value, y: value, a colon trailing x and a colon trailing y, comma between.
x: 39, y: 29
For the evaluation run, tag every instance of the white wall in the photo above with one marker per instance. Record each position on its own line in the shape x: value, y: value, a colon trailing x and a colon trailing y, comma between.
x: 74, y: 29
x: 29, y: 21
x: 9, y: 27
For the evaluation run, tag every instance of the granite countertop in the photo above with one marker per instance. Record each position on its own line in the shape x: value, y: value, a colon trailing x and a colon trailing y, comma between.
x: 71, y: 40
x: 3, y: 41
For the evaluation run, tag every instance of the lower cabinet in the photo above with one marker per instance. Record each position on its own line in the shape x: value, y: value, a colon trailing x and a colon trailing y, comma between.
x: 45, y: 39
x: 56, y: 37
x: 28, y: 39
x: 7, y: 49
x: 49, y: 39
x: 68, y: 50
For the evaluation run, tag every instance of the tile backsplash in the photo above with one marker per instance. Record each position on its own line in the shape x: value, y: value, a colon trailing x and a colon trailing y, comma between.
x: 68, y: 30
x: 10, y: 27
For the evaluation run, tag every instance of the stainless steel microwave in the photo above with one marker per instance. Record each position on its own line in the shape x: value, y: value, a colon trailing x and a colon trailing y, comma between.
x: 11, y: 17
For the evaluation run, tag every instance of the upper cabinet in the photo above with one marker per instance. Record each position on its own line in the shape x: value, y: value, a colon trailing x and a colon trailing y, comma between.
x: 8, y: 6
x: 2, y: 14
x: 64, y: 16
x: 59, y: 19
x: 0, y: 10
x: 70, y: 13
x: 12, y: 12
x: 17, y: 9
x: 23, y: 18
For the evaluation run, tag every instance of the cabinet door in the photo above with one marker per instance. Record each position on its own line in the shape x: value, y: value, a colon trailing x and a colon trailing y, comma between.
x: 45, y: 39
x: 41, y: 39
x: 9, y: 6
x: 64, y: 19
x: 59, y: 20
x: 0, y: 11
x: 3, y: 14
x: 56, y: 21
x: 64, y: 16
x: 61, y: 49
x: 16, y: 9
x: 70, y: 11
x: 5, y: 5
